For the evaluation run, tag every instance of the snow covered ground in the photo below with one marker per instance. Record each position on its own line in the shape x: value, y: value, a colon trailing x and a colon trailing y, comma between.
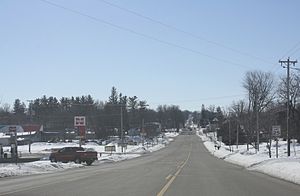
x: 45, y: 166
x: 287, y: 168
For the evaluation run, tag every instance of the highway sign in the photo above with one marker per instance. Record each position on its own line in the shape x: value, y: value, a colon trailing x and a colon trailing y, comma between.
x: 276, y: 131
x: 110, y: 148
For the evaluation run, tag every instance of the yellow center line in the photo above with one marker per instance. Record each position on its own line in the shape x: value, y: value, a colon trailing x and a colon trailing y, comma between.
x: 168, y: 177
x: 166, y: 187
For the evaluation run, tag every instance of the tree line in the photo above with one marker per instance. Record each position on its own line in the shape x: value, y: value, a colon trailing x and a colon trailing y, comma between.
x: 252, y: 118
x: 103, y: 117
x: 264, y: 105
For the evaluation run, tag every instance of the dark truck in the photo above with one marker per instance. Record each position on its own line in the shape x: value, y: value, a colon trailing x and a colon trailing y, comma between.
x: 76, y: 154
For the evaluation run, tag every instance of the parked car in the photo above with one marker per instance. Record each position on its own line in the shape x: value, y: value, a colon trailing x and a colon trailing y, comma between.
x: 76, y: 154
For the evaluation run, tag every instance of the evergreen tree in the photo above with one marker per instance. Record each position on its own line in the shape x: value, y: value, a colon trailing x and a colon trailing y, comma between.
x: 19, y: 108
x: 113, y: 98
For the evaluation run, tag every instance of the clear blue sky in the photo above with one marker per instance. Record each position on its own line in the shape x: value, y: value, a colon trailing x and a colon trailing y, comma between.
x: 48, y: 50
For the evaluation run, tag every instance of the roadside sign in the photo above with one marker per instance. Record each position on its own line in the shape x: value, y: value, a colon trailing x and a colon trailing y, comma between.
x: 110, y: 148
x: 79, y: 121
x: 276, y: 131
x: 124, y: 145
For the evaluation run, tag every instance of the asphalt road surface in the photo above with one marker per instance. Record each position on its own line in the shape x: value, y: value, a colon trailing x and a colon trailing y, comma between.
x: 184, y: 168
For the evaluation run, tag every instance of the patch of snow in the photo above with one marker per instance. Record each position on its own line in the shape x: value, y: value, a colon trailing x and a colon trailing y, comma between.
x: 34, y: 168
x: 284, y: 167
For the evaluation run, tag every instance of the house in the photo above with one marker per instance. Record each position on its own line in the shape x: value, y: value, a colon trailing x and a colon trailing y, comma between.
x: 25, y: 133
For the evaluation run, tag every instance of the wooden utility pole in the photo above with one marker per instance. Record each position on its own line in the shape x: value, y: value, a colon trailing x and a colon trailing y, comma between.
x: 229, y: 133
x: 122, y: 133
x: 237, y: 136
x: 286, y: 64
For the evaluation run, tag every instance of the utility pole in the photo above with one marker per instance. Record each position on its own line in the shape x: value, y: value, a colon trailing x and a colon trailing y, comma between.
x: 30, y: 113
x: 143, y: 131
x: 286, y: 64
x: 257, y: 131
x: 122, y: 134
x: 237, y: 136
x: 229, y: 133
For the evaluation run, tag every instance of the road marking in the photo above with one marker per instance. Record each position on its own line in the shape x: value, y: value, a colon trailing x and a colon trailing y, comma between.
x: 168, y: 177
x: 180, y: 164
x: 166, y: 187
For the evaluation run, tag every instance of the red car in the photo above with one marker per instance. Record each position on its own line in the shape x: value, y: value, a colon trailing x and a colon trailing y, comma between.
x: 76, y: 154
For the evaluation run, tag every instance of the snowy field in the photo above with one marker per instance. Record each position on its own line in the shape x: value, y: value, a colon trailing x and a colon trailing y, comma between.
x: 45, y: 166
x: 287, y: 168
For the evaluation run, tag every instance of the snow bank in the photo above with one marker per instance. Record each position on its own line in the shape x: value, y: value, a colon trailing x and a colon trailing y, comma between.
x: 137, y: 151
x: 284, y: 168
x: 34, y: 168
x: 45, y: 166
x: 287, y: 168
x: 116, y: 158
x: 171, y: 134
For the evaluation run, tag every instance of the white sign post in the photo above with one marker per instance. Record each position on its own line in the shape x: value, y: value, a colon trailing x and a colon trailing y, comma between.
x: 276, y: 132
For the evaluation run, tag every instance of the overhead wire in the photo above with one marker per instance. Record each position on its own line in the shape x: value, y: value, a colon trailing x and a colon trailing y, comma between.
x: 184, y: 31
x: 295, y: 49
x: 290, y: 52
x: 143, y: 35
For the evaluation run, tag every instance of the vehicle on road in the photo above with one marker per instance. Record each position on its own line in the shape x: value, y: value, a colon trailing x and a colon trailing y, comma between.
x: 76, y: 154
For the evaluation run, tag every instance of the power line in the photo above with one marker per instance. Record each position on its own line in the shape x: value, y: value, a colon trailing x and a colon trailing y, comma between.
x: 183, y: 31
x: 290, y: 52
x: 143, y: 35
x: 295, y: 51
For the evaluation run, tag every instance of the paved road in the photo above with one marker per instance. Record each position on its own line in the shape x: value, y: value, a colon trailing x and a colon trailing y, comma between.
x: 185, y: 168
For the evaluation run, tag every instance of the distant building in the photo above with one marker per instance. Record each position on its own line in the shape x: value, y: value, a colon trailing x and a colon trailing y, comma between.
x: 152, y: 129
x: 133, y: 132
x: 25, y: 133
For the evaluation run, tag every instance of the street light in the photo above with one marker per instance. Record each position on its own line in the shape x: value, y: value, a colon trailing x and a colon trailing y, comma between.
x: 143, y: 107
x: 121, y: 122
x: 229, y: 129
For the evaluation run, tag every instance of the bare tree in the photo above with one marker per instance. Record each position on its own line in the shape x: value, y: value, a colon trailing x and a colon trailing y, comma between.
x: 6, y: 108
x: 294, y: 89
x: 294, y: 92
x: 238, y: 108
x: 260, y: 89
x: 239, y: 112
